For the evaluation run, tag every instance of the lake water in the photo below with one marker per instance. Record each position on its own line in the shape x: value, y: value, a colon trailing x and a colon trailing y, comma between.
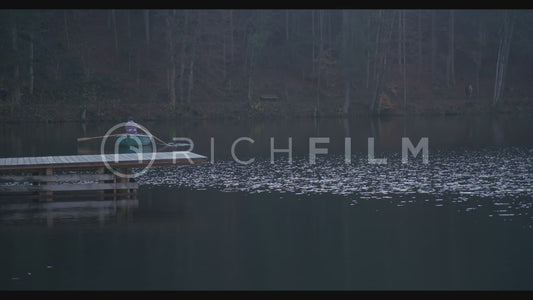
x: 464, y: 220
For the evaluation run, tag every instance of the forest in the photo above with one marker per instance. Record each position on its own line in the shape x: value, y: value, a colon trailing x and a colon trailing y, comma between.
x: 106, y: 64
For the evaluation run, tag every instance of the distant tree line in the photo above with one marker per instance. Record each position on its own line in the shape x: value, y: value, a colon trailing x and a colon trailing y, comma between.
x: 181, y: 56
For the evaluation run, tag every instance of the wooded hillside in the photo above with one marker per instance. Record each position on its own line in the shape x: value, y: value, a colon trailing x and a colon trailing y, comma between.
x: 56, y: 64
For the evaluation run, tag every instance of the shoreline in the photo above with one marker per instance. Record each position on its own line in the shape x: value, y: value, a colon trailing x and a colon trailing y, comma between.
x: 65, y: 113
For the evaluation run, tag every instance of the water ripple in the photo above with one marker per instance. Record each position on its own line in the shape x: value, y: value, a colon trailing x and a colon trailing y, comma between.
x: 495, y: 182
x: 489, y: 172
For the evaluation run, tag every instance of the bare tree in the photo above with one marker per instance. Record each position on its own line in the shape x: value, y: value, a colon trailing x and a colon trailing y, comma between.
x: 403, y: 62
x: 506, y: 34
x: 478, y: 58
x: 65, y: 21
x: 171, y: 66
x: 287, y: 25
x: 16, y: 67
x: 368, y: 56
x: 353, y: 51
x: 346, y: 39
x: 313, y: 42
x: 400, y: 38
x: 185, y: 31
x: 433, y: 44
x: 384, y: 30
x: 147, y: 26
x: 232, y: 46
x: 419, y: 30
x: 191, y: 64
x: 258, y: 35
x: 450, y: 65
x: 191, y: 75
x: 320, y: 53
x: 130, y: 41
x: 115, y: 33
x: 31, y: 61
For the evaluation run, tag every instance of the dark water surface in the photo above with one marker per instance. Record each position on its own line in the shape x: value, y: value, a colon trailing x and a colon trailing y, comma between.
x: 462, y: 221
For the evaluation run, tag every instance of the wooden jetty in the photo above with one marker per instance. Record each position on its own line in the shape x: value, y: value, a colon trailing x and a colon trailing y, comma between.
x: 46, y: 176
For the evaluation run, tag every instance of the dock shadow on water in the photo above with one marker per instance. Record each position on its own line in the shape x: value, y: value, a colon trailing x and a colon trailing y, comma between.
x: 462, y: 221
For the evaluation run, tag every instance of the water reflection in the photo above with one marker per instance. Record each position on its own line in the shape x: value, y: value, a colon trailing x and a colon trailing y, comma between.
x: 463, y: 221
x: 498, y: 136
x: 50, y: 213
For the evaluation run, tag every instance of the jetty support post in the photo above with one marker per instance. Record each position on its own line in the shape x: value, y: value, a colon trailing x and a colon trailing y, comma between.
x: 46, y: 196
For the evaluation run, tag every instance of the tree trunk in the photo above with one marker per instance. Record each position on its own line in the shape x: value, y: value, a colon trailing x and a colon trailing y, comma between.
x: 85, y: 61
x: 250, y: 84
x: 16, y: 67
x: 147, y: 26
x: 128, y: 26
x: 115, y: 33
x: 109, y: 19
x: 313, y: 42
x: 231, y: 35
x: 367, y: 85
x: 138, y: 71
x: 286, y: 25
x: 182, y: 58
x: 404, y: 67
x: 419, y: 43
x: 171, y: 68
x: 400, y: 12
x: 377, y: 62
x: 433, y: 45
x: 31, y: 71
x: 191, y: 80
x: 191, y: 69
x: 130, y: 42
x: 320, y: 29
x: 502, y: 61
x: 450, y: 66
x: 250, y: 75
x: 65, y: 20
x: 182, y: 74
x: 224, y: 52
x: 346, y: 57
x: 383, y: 38
x: 479, y: 53
x: 346, y: 106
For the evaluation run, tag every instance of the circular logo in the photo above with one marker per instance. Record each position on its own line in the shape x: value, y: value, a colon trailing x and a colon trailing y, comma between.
x: 117, y: 155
